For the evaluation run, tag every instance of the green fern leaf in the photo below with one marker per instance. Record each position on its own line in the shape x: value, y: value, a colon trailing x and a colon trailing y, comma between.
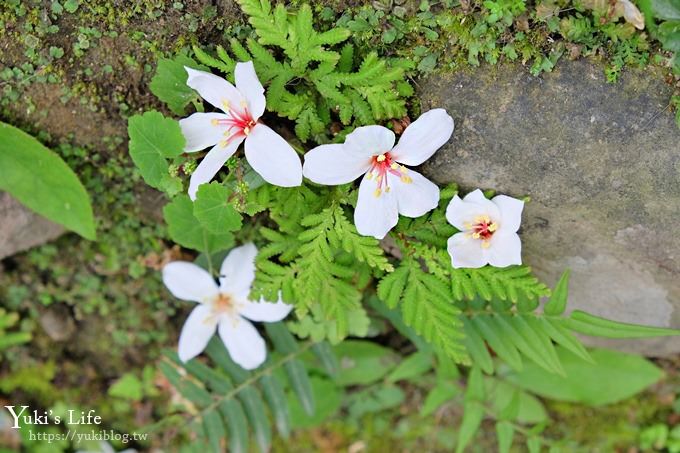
x: 426, y: 306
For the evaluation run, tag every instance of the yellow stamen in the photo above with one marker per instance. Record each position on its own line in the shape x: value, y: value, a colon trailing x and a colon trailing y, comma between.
x: 475, y: 235
x: 214, y: 122
x: 369, y: 175
x: 406, y: 179
x: 244, y: 104
x: 387, y: 189
x: 486, y: 244
x: 227, y: 133
x: 380, y: 158
x: 394, y: 166
x: 246, y: 131
x: 377, y: 192
x: 224, y: 143
x: 493, y: 227
x: 225, y: 104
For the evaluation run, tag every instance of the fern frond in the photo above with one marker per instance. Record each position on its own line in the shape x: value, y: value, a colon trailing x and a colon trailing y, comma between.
x: 227, y: 402
x: 227, y: 67
x: 365, y: 249
x: 426, y: 305
x: 508, y: 283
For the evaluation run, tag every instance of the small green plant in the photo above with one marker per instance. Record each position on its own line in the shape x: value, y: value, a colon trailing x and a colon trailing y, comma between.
x: 668, y: 31
x: 10, y: 338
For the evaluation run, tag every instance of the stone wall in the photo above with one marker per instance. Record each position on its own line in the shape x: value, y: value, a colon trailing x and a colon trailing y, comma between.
x: 601, y: 163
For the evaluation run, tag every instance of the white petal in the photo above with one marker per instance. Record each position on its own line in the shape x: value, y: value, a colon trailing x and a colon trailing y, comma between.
x: 466, y: 251
x: 199, y: 131
x: 460, y: 213
x: 187, y: 281
x: 250, y: 87
x: 197, y: 331
x: 211, y: 164
x: 245, y: 345
x: 370, y: 140
x: 265, y: 311
x: 273, y: 158
x: 375, y: 215
x: 505, y: 249
x: 214, y: 89
x: 334, y: 164
x: 414, y: 198
x: 423, y: 137
x: 511, y: 212
x: 238, y: 271
x: 476, y: 196
x: 631, y: 13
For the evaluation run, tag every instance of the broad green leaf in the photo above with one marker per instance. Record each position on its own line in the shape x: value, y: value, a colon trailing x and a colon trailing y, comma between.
x: 213, y: 209
x: 324, y: 353
x: 233, y: 413
x: 534, y: 445
x: 273, y: 392
x: 473, y: 413
x: 284, y: 342
x: 374, y: 399
x: 128, y: 386
x: 329, y: 398
x: 473, y: 409
x: 614, y: 376
x: 484, y: 325
x: 475, y: 386
x: 214, y: 429
x: 363, y: 362
x: 154, y: 139
x: 505, y: 432
x: 588, y: 324
x: 476, y: 347
x: 412, y: 366
x: 666, y: 9
x: 41, y: 180
x: 501, y: 395
x: 560, y: 335
x: 187, y: 231
x: 169, y: 84
x: 558, y: 299
x: 441, y: 393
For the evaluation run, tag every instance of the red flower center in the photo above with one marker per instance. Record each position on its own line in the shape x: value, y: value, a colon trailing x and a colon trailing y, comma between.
x: 380, y: 166
x: 483, y: 228
x: 239, y: 123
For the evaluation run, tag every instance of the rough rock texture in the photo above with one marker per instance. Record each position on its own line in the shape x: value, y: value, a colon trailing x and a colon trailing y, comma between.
x: 601, y: 163
x: 21, y: 229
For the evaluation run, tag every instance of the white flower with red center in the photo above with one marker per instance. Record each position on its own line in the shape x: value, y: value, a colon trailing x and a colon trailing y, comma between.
x: 488, y: 230
x: 225, y: 308
x: 243, y: 105
x: 388, y: 187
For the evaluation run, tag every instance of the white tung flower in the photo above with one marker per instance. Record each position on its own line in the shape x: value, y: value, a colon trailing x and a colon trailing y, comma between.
x: 388, y: 188
x: 223, y: 308
x: 267, y: 152
x: 488, y: 230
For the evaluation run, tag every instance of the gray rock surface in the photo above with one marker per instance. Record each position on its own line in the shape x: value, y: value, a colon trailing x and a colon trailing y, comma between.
x: 601, y: 163
x: 21, y: 228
